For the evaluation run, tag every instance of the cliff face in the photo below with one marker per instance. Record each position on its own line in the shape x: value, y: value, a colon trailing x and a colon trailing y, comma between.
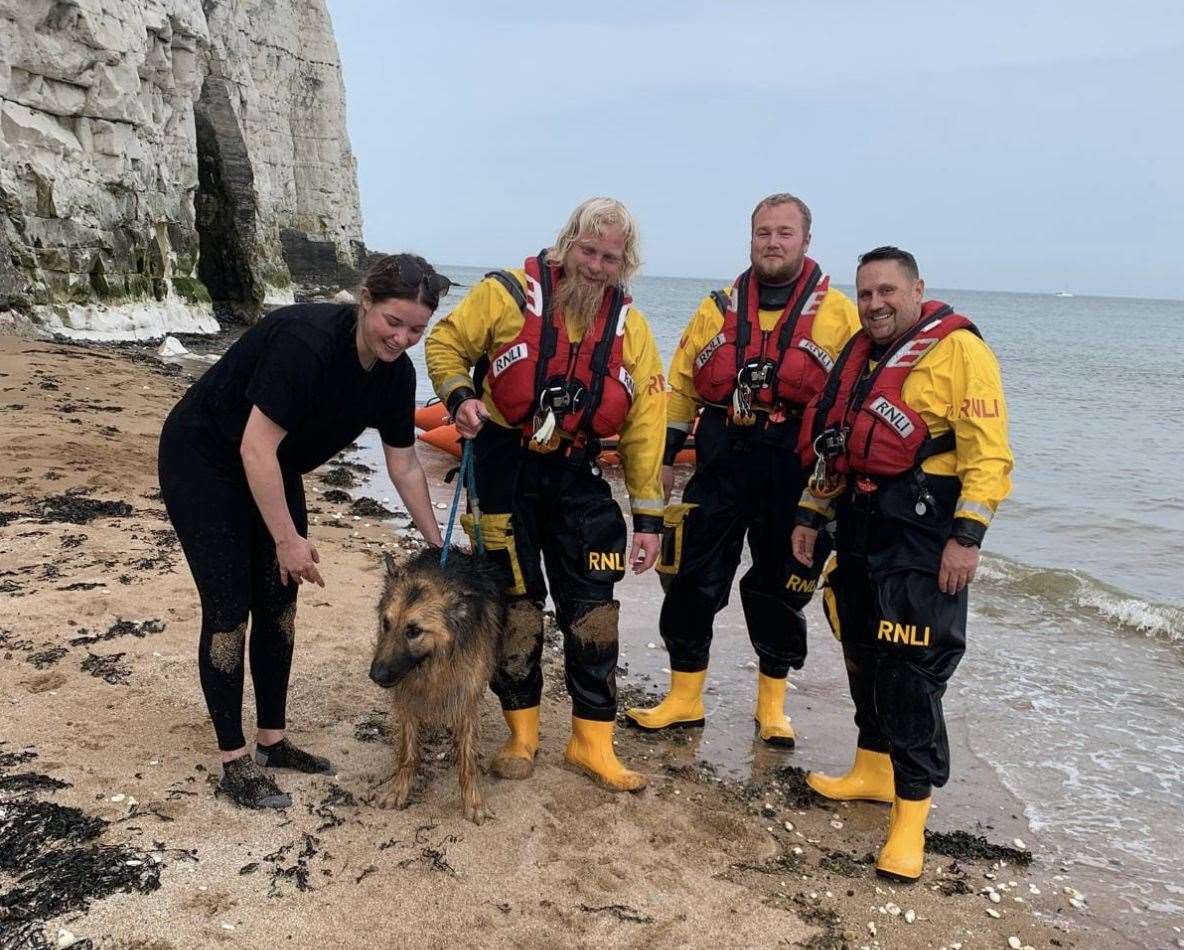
x: 155, y: 154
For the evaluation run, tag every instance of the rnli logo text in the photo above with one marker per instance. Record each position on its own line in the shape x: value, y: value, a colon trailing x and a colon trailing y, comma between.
x: 818, y: 353
x: 980, y: 408
x: 627, y: 381
x: 509, y: 358
x: 705, y: 353
x: 606, y: 560
x: 905, y: 633
x: 894, y: 416
x: 801, y: 585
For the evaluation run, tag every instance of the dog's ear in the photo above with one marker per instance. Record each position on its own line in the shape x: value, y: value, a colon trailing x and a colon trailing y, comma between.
x: 393, y: 567
x: 467, y: 609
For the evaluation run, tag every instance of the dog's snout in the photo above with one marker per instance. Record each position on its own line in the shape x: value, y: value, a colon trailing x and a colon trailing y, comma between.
x: 382, y: 674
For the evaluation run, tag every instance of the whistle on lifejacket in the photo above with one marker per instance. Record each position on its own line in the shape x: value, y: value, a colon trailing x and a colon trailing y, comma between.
x: 825, y: 482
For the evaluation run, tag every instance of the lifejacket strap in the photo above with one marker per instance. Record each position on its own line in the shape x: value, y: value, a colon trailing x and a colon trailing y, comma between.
x: 512, y: 287
x: 937, y: 445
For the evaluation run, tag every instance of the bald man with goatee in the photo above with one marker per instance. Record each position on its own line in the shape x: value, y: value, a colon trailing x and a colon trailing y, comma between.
x: 909, y: 445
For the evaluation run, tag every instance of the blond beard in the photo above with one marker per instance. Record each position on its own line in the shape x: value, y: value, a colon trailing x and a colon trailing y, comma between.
x: 579, y: 301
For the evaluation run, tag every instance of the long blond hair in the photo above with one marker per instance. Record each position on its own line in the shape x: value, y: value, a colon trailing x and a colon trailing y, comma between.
x: 593, y: 216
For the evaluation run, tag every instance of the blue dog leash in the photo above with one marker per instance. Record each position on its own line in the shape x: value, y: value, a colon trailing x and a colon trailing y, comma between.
x: 467, y: 478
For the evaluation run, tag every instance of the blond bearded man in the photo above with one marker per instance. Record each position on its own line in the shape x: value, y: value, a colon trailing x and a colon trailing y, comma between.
x: 537, y: 365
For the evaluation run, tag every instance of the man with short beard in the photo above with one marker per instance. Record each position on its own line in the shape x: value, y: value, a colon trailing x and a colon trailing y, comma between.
x: 911, y: 456
x: 750, y: 360
x: 562, y: 360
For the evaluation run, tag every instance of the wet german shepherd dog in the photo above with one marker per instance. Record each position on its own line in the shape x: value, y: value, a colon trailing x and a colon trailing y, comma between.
x: 440, y: 633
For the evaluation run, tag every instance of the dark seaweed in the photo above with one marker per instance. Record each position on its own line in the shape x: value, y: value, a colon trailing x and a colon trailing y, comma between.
x: 79, y: 509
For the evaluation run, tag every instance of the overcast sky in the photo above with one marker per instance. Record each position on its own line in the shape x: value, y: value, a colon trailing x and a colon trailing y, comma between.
x: 1011, y: 146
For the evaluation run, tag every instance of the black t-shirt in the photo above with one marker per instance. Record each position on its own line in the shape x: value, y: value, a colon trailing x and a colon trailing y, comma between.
x: 300, y: 366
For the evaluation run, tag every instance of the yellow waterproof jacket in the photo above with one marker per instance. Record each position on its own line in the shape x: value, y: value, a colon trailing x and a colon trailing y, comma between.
x: 835, y: 323
x: 957, y: 385
x: 488, y: 318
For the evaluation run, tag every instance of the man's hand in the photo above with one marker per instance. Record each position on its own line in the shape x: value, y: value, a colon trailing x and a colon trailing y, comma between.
x: 470, y: 417
x: 644, y: 552
x: 298, y: 561
x: 802, y: 542
x: 667, y: 481
x: 958, y: 567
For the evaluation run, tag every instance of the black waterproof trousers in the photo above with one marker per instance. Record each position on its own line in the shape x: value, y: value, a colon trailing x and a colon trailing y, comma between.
x: 232, y: 558
x: 747, y: 482
x: 902, y: 637
x: 555, y: 511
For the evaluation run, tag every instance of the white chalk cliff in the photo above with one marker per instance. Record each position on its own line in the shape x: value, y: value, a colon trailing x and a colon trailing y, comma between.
x: 157, y: 154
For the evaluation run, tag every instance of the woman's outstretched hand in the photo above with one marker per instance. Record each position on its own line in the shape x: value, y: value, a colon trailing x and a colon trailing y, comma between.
x: 298, y: 561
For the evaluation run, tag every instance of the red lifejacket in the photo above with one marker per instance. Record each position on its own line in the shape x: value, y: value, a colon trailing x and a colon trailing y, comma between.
x: 542, y: 360
x: 801, y: 365
x: 882, y: 435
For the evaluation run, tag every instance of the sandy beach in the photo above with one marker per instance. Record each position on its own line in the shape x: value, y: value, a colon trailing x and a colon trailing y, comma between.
x: 103, y: 718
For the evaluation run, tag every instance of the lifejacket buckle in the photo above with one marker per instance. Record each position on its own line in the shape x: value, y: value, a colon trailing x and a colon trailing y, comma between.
x: 756, y: 374
x: 562, y: 396
x: 830, y: 444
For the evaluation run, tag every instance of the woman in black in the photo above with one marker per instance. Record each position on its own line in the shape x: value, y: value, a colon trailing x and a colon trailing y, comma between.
x: 292, y: 392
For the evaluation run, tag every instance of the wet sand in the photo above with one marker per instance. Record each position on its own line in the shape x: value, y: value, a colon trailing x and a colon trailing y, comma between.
x: 98, y: 630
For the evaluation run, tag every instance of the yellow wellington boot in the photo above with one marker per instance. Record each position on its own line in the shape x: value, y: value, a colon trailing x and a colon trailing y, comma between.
x: 515, y: 759
x: 681, y: 709
x: 870, y: 780
x: 590, y: 750
x: 770, y: 711
x: 903, y: 856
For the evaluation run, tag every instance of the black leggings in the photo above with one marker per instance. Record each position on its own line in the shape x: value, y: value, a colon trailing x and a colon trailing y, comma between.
x: 232, y: 558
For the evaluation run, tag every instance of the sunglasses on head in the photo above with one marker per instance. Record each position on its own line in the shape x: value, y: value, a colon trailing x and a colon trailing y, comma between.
x: 432, y: 285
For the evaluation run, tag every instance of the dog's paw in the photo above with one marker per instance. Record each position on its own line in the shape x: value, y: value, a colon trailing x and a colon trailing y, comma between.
x: 393, y: 798
x: 477, y: 812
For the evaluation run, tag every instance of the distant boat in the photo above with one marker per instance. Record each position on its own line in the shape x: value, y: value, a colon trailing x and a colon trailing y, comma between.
x: 1062, y: 293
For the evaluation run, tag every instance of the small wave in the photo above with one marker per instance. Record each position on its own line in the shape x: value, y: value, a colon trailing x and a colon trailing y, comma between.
x: 1156, y: 619
x: 1074, y: 591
